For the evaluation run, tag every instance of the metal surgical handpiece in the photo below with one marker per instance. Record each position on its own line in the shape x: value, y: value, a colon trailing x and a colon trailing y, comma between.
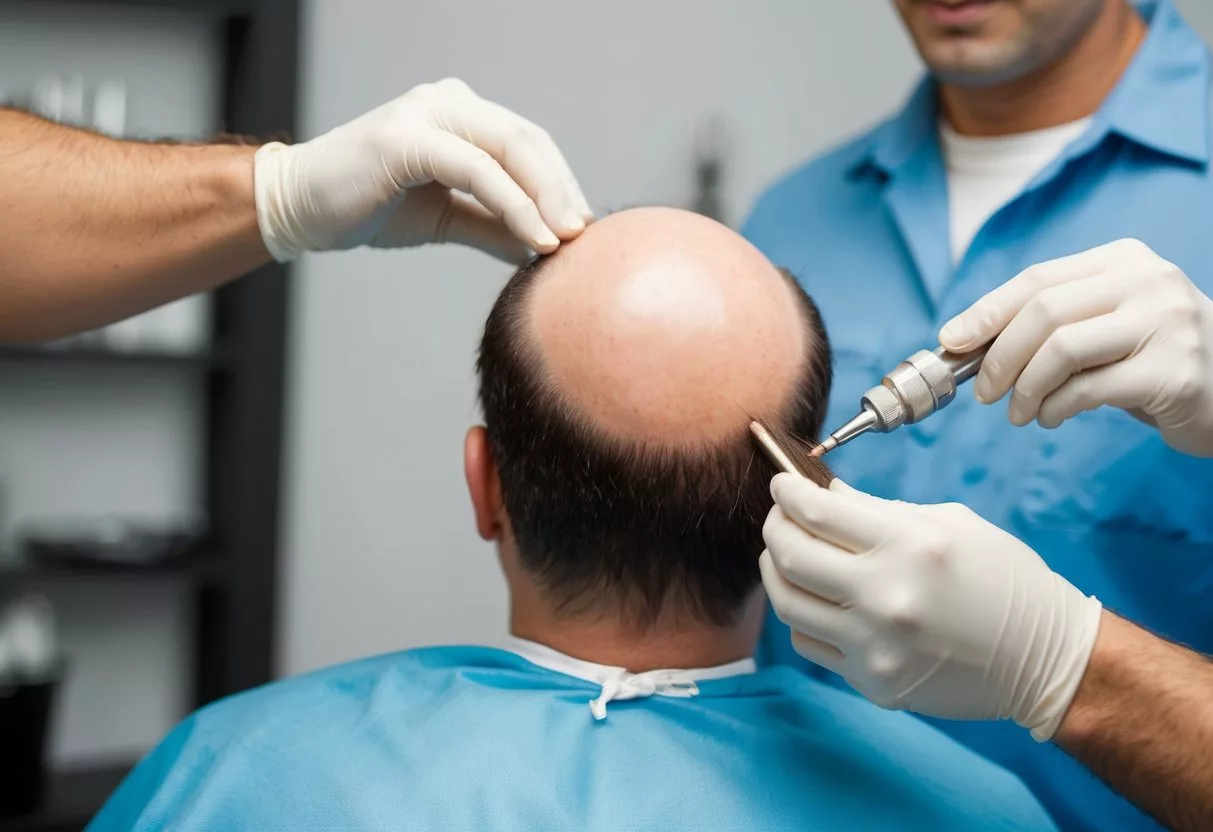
x: 917, y: 387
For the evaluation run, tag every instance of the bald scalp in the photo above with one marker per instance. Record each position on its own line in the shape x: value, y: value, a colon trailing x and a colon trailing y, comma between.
x: 662, y: 326
x: 617, y: 380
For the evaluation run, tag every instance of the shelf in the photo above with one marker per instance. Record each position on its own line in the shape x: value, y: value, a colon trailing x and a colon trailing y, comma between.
x: 72, y: 798
x: 200, y: 570
x: 99, y: 355
x: 225, y: 7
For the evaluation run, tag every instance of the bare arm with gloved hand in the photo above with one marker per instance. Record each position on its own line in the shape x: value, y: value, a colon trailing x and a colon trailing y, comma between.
x: 95, y: 229
x: 934, y: 610
x: 1117, y: 325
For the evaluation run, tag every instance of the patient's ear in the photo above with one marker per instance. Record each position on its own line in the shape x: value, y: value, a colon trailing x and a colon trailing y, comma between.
x: 484, y: 486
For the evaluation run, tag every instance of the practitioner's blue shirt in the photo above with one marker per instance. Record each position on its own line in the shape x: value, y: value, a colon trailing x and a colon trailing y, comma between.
x: 1102, y: 499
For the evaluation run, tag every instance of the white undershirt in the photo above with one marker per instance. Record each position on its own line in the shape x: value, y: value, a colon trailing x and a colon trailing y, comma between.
x: 619, y: 683
x: 987, y: 172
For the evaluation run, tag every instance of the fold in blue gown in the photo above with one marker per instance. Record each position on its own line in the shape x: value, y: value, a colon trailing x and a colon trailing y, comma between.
x: 458, y: 738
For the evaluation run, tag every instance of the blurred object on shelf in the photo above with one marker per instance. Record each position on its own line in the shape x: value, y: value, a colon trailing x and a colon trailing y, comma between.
x: 179, y: 327
x: 109, y: 108
x: 28, y: 648
x: 59, y: 99
x: 72, y: 101
x: 66, y: 99
x: 46, y: 98
x: 4, y: 537
x: 31, y: 670
x: 110, y: 542
x: 711, y: 148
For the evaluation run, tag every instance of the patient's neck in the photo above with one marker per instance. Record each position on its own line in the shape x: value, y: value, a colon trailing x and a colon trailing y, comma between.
x: 606, y: 640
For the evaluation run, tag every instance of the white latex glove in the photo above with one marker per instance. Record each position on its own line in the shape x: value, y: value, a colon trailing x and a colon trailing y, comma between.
x: 927, y: 608
x: 1116, y: 325
x: 386, y: 179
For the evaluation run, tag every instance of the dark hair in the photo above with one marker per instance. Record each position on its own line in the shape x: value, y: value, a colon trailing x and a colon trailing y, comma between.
x: 616, y: 527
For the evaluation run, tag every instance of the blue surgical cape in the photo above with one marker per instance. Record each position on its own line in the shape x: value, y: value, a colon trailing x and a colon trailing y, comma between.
x: 476, y: 738
x: 1103, y: 500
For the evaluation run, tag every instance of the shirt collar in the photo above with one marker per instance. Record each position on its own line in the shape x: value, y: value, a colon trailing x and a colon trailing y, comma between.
x: 1161, y: 102
x: 896, y: 140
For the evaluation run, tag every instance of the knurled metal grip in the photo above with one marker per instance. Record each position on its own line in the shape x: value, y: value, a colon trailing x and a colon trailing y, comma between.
x: 907, y: 383
x: 938, y: 377
x: 890, y: 412
x: 915, y: 389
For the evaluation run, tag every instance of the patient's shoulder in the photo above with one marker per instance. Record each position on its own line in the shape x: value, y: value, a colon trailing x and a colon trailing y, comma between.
x: 843, y: 713
x: 331, y: 695
x: 887, y: 745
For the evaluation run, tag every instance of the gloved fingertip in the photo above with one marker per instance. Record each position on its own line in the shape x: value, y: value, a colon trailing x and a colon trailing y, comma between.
x: 583, y: 207
x: 545, y: 240
x: 839, y: 486
x: 777, y: 485
x: 983, y: 390
x: 573, y: 225
x: 955, y: 335
x: 784, y: 486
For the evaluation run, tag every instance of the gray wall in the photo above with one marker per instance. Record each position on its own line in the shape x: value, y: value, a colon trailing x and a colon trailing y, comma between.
x: 82, y: 442
x: 380, y: 548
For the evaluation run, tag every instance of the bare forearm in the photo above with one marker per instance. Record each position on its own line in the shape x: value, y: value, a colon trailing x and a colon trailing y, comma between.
x: 1143, y: 721
x: 94, y: 229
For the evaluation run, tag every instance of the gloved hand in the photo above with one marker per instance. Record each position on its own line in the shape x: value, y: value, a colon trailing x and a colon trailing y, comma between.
x: 927, y: 608
x: 386, y: 179
x: 1115, y: 325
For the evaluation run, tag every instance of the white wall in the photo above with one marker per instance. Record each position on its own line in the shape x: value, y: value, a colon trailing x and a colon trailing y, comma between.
x: 381, y: 553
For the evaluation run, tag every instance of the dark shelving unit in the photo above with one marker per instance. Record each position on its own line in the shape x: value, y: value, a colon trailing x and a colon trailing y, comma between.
x: 233, y: 586
x: 224, y: 8
x: 72, y: 798
x: 210, y: 359
x: 194, y: 570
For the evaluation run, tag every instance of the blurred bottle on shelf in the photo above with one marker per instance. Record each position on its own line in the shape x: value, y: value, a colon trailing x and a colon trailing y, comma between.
x: 180, y: 327
x: 66, y: 98
x: 31, y: 670
x: 59, y: 99
x: 109, y: 108
x: 711, y: 148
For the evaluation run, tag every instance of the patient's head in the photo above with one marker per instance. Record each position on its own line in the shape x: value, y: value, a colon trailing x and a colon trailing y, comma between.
x: 618, y: 378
